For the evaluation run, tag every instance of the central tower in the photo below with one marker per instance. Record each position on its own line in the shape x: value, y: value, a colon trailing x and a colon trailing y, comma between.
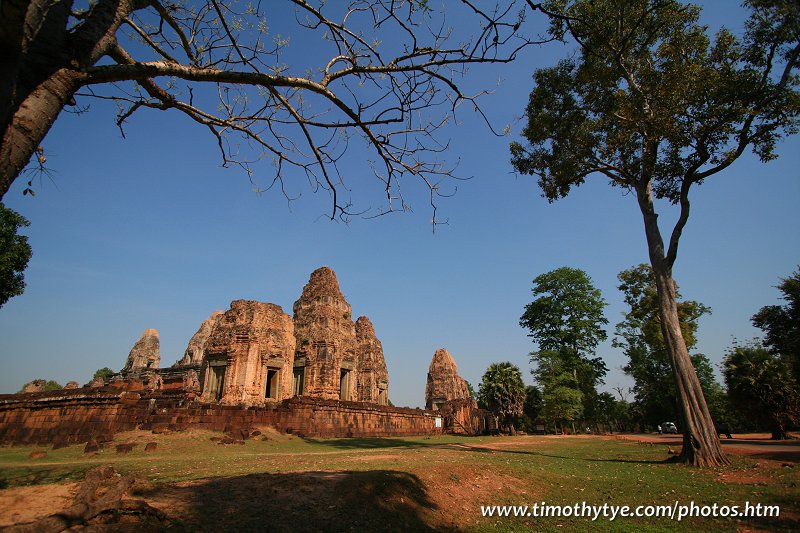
x: 325, y: 360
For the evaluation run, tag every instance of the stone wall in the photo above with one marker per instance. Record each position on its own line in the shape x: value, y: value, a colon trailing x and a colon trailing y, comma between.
x: 70, y: 417
x: 64, y: 417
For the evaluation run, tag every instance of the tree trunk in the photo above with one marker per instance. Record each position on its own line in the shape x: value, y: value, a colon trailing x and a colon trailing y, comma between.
x: 31, y: 122
x: 701, y: 444
x: 779, y: 431
x: 42, y: 63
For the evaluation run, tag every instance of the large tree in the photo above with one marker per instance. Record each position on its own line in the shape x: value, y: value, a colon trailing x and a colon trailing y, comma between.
x: 15, y: 252
x: 781, y: 323
x: 502, y: 392
x: 652, y: 105
x: 380, y: 72
x: 566, y: 321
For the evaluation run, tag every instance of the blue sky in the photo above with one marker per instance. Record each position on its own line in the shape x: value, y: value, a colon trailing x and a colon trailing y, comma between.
x: 150, y: 231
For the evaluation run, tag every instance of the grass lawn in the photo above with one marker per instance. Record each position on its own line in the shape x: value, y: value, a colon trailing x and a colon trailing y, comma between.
x: 285, y: 483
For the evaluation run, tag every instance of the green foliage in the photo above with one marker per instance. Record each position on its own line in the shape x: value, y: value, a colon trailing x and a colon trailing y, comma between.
x: 781, y: 324
x: 472, y: 392
x: 565, y: 368
x: 607, y: 411
x: 567, y: 312
x: 15, y: 252
x: 52, y: 385
x: 502, y: 391
x: 651, y: 99
x: 43, y: 385
x: 104, y: 373
x: 566, y: 321
x: 533, y: 403
x: 762, y: 386
x: 562, y: 403
x: 641, y: 338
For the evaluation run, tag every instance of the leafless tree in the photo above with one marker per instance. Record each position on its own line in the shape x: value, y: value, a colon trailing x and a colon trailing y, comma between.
x: 382, y: 72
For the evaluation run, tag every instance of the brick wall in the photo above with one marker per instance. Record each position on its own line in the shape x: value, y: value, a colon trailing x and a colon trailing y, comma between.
x: 69, y: 417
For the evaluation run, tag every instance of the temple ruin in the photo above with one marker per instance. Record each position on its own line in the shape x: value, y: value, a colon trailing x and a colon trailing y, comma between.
x: 444, y: 383
x: 315, y: 373
x: 255, y: 353
x: 197, y: 344
x: 372, y: 379
x: 248, y: 355
x: 145, y: 354
x: 325, y: 362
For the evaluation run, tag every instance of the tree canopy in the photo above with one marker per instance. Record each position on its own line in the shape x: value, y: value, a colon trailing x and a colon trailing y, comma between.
x: 103, y: 373
x: 15, y: 252
x: 378, y: 73
x: 502, y: 391
x: 781, y: 324
x: 762, y: 386
x: 567, y: 312
x: 652, y: 101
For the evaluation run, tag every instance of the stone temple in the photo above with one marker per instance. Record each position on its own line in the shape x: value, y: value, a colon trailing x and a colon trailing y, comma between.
x: 254, y: 353
x: 315, y: 373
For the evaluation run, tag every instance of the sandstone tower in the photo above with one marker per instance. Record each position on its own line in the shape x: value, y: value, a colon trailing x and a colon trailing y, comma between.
x: 372, y: 380
x: 444, y: 383
x: 197, y: 344
x: 254, y: 353
x: 145, y: 354
x: 325, y: 360
x: 248, y: 355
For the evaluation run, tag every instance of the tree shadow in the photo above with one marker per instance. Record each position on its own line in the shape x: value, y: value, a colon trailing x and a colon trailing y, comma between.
x: 481, y: 449
x: 358, y: 443
x: 787, y: 520
x: 380, y: 500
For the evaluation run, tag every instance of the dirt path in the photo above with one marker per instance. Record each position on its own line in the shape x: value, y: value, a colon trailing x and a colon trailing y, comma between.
x: 752, y: 444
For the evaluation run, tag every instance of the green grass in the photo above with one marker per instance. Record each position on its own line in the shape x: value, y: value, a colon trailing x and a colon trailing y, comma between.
x: 562, y: 471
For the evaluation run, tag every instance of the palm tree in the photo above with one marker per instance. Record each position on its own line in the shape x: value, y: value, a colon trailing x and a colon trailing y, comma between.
x: 503, y: 393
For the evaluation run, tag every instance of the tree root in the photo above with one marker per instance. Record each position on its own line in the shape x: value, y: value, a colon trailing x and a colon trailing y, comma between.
x: 101, y: 492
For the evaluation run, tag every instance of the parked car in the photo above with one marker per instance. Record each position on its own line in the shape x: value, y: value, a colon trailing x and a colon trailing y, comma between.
x: 669, y: 427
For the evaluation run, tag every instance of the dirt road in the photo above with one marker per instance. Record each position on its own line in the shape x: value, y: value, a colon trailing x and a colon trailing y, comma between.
x: 752, y: 444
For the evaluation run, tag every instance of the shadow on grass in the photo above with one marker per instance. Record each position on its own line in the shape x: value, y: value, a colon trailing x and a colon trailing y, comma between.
x: 481, y: 449
x: 372, y: 443
x: 380, y: 500
x: 40, y: 475
x: 785, y: 521
x: 383, y: 442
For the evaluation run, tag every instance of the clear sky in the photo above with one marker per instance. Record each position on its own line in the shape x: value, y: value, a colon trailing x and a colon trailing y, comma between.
x: 150, y: 231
